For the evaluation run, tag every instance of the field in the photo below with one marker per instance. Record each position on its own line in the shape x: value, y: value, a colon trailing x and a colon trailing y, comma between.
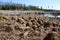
x: 28, y: 25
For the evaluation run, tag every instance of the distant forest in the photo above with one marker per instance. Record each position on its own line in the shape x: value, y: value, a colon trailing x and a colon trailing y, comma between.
x: 16, y: 6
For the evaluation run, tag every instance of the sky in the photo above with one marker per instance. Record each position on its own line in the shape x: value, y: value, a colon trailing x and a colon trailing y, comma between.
x: 45, y: 4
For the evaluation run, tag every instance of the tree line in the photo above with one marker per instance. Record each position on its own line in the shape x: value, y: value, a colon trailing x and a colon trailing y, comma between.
x: 16, y: 6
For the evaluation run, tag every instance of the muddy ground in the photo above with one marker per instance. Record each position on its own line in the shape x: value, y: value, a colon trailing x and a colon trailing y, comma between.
x: 29, y: 27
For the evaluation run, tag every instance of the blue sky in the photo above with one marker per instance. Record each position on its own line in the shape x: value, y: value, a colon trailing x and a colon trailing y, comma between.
x: 46, y: 4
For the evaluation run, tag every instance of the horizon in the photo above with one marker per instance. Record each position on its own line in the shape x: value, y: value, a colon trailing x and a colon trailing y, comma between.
x: 45, y: 4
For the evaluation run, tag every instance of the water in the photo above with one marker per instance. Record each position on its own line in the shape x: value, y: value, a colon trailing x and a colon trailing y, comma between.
x: 58, y: 16
x: 51, y: 15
